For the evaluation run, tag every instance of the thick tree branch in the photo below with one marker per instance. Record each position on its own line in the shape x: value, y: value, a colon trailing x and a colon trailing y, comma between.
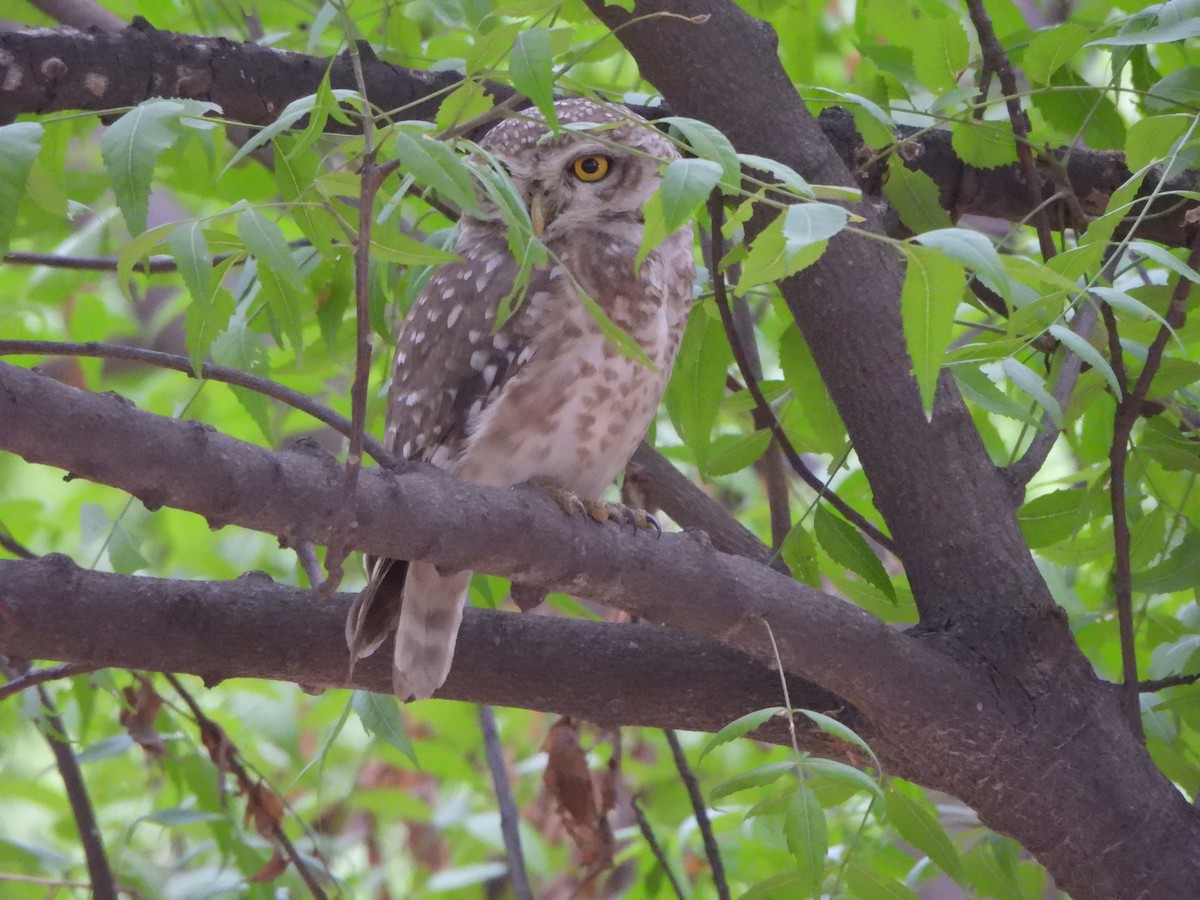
x: 421, y: 513
x: 49, y: 71
x: 602, y: 672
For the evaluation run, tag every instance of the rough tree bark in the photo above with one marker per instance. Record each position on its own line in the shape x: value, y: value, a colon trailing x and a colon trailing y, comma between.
x: 988, y: 698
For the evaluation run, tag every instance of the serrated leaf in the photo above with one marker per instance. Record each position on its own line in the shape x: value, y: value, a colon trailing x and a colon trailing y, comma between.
x: 686, y: 184
x: 914, y: 195
x: 708, y: 143
x: 740, y: 726
x: 867, y: 882
x: 782, y: 884
x: 1169, y: 28
x: 1051, y: 49
x: 1053, y: 517
x: 435, y: 165
x: 20, y: 144
x: 933, y: 286
x: 1033, y: 385
x: 841, y: 773
x: 698, y: 382
x: 975, y: 251
x: 945, y: 52
x: 1180, y: 570
x: 395, y: 246
x: 795, y: 240
x: 1123, y: 302
x: 922, y: 830
x: 1166, y: 259
x: 380, y: 718
x: 208, y: 316
x: 130, y: 147
x: 757, y: 777
x: 805, y: 831
x: 785, y: 175
x: 1088, y: 354
x: 292, y: 113
x: 241, y: 348
x: 984, y: 145
x: 848, y: 548
x: 278, y: 273
x: 733, y: 453
x: 531, y: 67
x: 839, y: 730
x: 1154, y: 138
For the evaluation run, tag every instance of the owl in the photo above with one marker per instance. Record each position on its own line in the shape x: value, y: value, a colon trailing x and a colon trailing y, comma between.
x: 546, y: 396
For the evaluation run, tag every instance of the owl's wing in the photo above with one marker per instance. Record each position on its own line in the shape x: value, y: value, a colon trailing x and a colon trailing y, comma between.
x: 448, y: 366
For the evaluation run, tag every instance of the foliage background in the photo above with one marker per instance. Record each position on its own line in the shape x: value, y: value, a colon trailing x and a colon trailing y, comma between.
x: 345, y: 765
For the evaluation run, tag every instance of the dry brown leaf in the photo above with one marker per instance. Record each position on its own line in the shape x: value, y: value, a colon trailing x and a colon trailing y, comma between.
x: 142, y: 704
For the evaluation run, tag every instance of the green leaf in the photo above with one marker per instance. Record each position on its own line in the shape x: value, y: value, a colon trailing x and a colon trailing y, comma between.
x: 1154, y: 138
x: 1033, y: 385
x: 1051, y: 49
x: 933, y: 286
x: 799, y: 551
x: 848, y: 548
x: 839, y: 730
x: 531, y: 67
x: 435, y: 165
x: 278, y: 273
x: 945, y: 52
x: 984, y: 145
x: 784, y: 175
x: 1172, y: 26
x: 208, y: 316
x: 241, y: 348
x: 20, y: 144
x: 380, y: 718
x: 1166, y: 259
x: 975, y: 251
x: 620, y: 338
x: 868, y: 882
x: 805, y: 832
x: 915, y: 198
x: 739, y: 727
x: 395, y: 246
x: 1053, y: 517
x: 917, y: 826
x: 757, y: 777
x: 190, y: 250
x: 782, y: 884
x: 732, y: 453
x: 840, y: 773
x: 795, y: 240
x: 131, y: 146
x: 686, y: 184
x: 318, y: 103
x: 710, y: 144
x: 698, y: 381
x: 1180, y: 571
x: 1088, y: 354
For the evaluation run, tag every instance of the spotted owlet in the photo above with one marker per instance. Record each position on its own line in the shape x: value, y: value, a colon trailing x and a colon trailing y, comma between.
x: 546, y: 397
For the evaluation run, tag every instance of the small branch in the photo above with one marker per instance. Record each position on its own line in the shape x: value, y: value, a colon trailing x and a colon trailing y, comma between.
x: 1161, y: 684
x: 155, y: 265
x: 510, y: 818
x: 711, y: 849
x: 99, y: 871
x: 41, y: 676
x: 655, y: 846
x: 15, y: 547
x: 768, y: 414
x: 996, y: 60
x: 1022, y: 471
x: 225, y: 757
x: 1128, y: 409
x: 224, y: 374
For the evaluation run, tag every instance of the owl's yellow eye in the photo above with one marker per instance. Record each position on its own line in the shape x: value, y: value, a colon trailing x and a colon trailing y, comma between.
x: 592, y: 167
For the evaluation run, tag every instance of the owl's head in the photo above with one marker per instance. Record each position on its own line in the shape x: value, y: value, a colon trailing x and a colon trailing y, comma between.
x: 600, y: 176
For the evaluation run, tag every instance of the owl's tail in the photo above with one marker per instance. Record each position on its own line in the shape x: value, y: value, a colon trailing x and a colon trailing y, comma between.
x: 424, y: 607
x: 428, y: 630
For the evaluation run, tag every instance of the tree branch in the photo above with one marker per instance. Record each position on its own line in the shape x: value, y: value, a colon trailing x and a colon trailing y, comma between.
x: 421, y: 513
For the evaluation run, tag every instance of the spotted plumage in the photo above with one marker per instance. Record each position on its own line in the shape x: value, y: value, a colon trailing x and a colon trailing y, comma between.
x: 546, y: 396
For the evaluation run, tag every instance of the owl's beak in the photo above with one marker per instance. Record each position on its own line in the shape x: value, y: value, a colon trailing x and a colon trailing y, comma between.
x: 537, y: 213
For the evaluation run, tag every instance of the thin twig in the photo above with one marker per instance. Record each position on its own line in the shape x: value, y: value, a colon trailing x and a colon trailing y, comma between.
x: 226, y: 756
x: 510, y: 819
x: 1031, y: 462
x: 711, y: 848
x: 655, y: 846
x: 1161, y: 684
x: 35, y: 677
x: 15, y: 547
x: 103, y: 885
x: 1128, y: 409
x: 155, y: 265
x: 212, y: 372
x: 739, y: 354
x: 996, y: 60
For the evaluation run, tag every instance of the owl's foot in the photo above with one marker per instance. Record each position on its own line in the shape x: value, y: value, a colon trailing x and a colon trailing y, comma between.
x: 601, y: 510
